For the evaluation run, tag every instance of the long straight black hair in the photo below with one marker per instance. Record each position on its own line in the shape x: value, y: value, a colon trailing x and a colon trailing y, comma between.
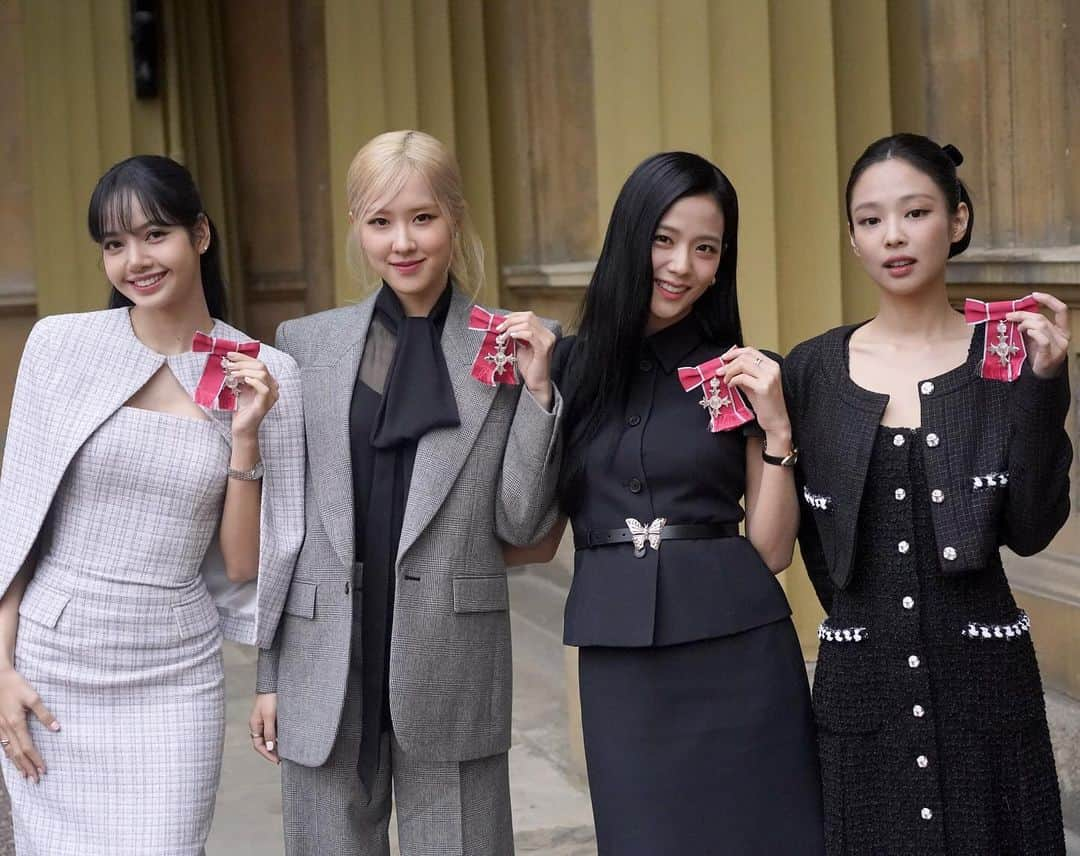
x: 616, y: 305
x: 167, y: 195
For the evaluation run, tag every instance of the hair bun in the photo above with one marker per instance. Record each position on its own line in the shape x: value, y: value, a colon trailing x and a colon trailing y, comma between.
x: 953, y: 153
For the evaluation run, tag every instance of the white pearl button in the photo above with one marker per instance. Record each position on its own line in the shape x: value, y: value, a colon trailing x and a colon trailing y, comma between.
x: 918, y: 711
x: 903, y: 546
x: 926, y: 387
x: 922, y: 761
x: 937, y: 495
x: 898, y: 440
x: 913, y: 661
x: 949, y: 553
x: 900, y: 494
x: 932, y: 440
x: 927, y: 814
x: 908, y: 602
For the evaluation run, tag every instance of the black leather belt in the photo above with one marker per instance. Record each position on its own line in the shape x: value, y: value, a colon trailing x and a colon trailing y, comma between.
x: 646, y: 535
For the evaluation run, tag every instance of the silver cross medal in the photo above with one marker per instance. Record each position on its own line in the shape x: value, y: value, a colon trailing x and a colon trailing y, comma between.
x: 1001, y: 348
x: 231, y: 381
x: 714, y: 402
x: 500, y: 359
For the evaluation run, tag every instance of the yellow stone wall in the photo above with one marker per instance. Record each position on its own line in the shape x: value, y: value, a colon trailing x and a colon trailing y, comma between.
x: 548, y: 104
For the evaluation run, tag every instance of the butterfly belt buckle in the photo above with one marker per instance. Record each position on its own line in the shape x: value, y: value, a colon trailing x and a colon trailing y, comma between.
x: 653, y: 533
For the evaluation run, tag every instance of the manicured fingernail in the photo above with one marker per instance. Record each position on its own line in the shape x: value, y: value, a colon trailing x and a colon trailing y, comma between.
x: 41, y: 772
x: 55, y: 726
x: 270, y: 745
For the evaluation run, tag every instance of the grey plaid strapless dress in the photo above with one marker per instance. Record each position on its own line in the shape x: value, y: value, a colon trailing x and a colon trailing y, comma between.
x: 121, y: 639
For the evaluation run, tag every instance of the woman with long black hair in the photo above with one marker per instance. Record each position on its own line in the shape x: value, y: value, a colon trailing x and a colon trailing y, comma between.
x: 153, y: 471
x: 694, y: 697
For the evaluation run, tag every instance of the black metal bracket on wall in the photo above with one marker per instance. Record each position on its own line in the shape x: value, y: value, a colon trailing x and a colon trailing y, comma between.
x: 146, y: 47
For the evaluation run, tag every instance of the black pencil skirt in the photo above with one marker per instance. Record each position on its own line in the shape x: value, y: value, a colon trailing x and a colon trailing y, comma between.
x: 703, y: 749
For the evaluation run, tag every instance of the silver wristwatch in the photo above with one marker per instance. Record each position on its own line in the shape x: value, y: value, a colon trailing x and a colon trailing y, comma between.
x: 254, y: 474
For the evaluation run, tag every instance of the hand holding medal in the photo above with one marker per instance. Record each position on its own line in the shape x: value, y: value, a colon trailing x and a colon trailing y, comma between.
x: 1016, y: 329
x: 724, y: 406
x: 1047, y: 341
x: 518, y: 340
x: 234, y: 380
x: 256, y: 391
x: 534, y: 345
x: 758, y: 376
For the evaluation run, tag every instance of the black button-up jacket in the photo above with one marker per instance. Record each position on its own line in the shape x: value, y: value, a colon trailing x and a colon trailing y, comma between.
x: 657, y: 458
x: 996, y: 457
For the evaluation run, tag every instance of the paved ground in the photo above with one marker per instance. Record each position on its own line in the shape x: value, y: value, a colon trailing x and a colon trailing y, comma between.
x: 551, y: 807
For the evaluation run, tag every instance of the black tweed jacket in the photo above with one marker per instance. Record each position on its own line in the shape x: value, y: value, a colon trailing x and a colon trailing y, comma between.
x: 996, y: 456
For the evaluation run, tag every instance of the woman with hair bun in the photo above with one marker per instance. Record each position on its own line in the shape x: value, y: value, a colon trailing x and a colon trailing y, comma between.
x: 153, y: 469
x: 432, y: 427
x: 929, y: 438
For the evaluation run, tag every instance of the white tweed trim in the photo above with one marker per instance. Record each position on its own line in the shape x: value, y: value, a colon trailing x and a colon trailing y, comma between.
x: 841, y: 634
x: 990, y: 480
x: 1022, y: 625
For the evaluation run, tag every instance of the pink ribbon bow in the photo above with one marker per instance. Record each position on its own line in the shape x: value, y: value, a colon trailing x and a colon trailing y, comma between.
x: 495, y: 361
x: 1004, y: 351
x: 212, y: 391
x: 725, y: 405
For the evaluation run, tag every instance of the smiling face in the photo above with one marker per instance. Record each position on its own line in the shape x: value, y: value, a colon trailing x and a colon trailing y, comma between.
x: 686, y: 252
x: 408, y: 242
x: 155, y: 265
x: 901, y: 226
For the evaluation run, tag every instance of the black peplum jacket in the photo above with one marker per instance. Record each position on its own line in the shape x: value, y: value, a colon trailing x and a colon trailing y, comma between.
x: 657, y: 458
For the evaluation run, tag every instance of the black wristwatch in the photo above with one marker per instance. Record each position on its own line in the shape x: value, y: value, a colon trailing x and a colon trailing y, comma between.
x: 788, y: 460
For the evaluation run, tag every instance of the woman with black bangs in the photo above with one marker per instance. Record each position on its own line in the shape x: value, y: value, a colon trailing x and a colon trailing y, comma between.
x: 151, y: 502
x: 694, y: 697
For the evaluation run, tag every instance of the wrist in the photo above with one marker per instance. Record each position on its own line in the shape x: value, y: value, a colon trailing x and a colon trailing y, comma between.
x: 1050, y: 372
x: 245, y: 450
x: 783, y: 455
x: 779, y: 439
x: 245, y: 435
x: 541, y: 393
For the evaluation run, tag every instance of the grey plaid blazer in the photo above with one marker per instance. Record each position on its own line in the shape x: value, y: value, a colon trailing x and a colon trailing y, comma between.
x: 491, y: 478
x: 76, y: 370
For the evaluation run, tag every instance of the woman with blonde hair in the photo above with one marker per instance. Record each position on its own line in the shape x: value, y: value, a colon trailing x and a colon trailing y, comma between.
x: 391, y: 669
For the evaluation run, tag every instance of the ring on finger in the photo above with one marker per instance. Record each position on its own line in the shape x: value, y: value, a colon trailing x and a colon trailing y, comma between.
x: 758, y: 361
x: 4, y: 742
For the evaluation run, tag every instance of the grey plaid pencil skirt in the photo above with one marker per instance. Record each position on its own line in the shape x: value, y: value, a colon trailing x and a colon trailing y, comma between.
x: 119, y: 636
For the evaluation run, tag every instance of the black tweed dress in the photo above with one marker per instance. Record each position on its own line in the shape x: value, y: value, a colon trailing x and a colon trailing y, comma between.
x: 932, y: 727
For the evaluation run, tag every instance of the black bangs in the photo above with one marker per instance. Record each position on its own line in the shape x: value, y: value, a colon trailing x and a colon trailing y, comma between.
x: 129, y: 186
x: 166, y: 194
